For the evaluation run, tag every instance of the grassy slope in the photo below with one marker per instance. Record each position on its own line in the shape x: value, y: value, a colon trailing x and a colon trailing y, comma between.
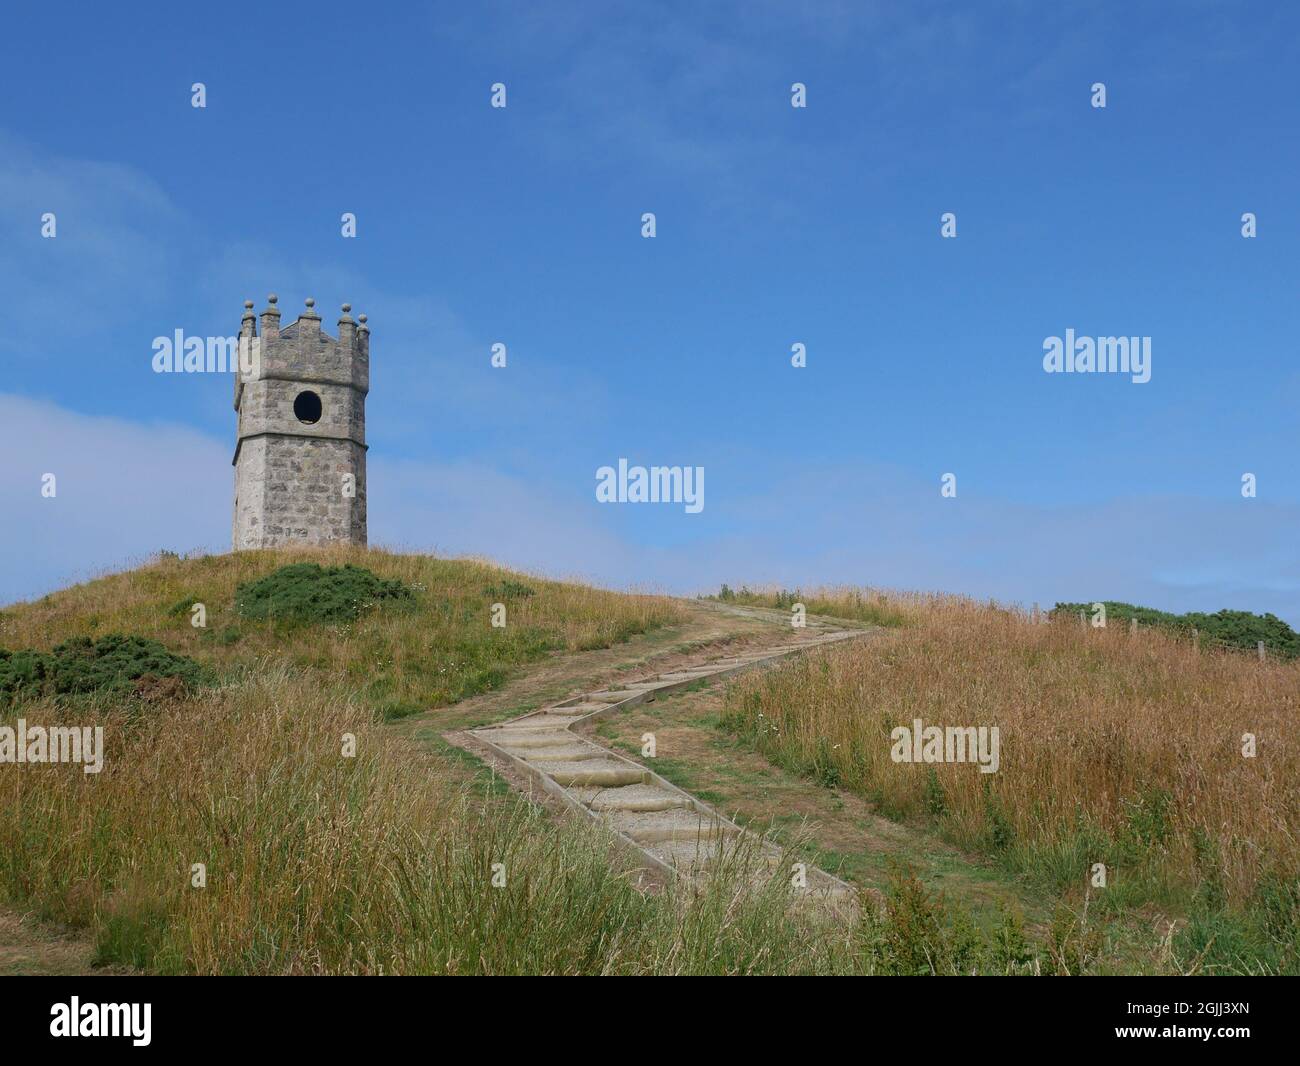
x: 397, y: 661
x: 834, y: 828
x: 1119, y: 749
x: 317, y: 860
x: 381, y: 862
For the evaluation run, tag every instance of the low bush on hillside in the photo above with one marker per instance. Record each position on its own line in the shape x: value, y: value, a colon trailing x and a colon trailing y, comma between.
x: 309, y: 592
x: 112, y: 665
x: 1232, y: 629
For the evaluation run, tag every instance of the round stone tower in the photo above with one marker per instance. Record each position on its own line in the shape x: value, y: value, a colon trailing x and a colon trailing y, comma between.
x: 300, y: 449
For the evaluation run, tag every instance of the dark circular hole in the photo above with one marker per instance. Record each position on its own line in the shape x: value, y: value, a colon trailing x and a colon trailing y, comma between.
x: 306, y: 406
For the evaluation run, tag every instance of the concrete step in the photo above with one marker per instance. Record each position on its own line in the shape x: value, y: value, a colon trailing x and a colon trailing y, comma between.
x: 566, y: 753
x: 647, y: 797
x: 663, y: 822
x: 686, y: 854
x: 519, y: 739
x: 535, y: 722
x: 658, y: 826
x: 577, y: 710
x: 607, y: 696
x: 604, y: 772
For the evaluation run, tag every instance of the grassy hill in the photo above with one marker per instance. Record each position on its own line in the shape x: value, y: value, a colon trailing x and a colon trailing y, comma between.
x: 315, y: 860
x: 258, y: 813
x: 433, y: 646
x: 1118, y: 747
x: 256, y: 752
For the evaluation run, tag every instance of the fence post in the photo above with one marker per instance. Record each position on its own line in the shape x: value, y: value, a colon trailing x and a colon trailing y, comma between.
x: 1261, y: 651
x: 1132, y: 627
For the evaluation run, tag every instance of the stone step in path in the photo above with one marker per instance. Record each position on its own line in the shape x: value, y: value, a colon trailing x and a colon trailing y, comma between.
x: 676, y: 833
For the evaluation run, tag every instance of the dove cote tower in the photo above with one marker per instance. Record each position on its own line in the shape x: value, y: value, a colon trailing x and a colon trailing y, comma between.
x: 300, y: 448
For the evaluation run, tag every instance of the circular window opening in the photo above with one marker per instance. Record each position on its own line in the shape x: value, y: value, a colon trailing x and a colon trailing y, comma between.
x: 307, y: 407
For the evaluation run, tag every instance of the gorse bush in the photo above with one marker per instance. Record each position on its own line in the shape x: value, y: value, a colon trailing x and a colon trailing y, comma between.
x: 113, y: 664
x: 1232, y: 629
x: 22, y: 673
x: 309, y: 592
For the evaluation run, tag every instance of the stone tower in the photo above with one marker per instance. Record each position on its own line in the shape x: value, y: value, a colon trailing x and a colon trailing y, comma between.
x: 300, y: 452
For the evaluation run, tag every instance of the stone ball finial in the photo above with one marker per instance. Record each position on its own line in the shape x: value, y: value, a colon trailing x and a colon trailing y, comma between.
x: 310, y: 303
x: 362, y: 319
x: 272, y: 298
x: 248, y: 304
x: 347, y: 308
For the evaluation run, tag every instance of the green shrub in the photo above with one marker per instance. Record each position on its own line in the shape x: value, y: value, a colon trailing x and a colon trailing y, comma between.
x: 1233, y: 629
x: 22, y: 673
x: 111, y: 664
x: 309, y: 592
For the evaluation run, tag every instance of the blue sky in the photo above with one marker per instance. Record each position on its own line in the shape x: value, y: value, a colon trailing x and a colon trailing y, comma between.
x: 776, y: 225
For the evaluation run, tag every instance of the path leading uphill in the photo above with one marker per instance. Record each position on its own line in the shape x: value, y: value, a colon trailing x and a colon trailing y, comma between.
x: 676, y: 833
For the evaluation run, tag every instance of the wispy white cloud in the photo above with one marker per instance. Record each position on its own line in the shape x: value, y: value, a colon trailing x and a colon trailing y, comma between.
x: 109, y: 260
x: 124, y: 489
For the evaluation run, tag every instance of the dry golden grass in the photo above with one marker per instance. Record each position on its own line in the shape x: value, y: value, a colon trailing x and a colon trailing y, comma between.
x: 1114, y: 748
x: 379, y: 863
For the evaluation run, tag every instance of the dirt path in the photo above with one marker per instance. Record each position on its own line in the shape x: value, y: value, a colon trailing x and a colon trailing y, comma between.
x: 29, y: 948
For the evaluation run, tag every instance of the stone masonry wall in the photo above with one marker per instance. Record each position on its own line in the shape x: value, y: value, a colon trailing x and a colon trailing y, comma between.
x: 289, y: 490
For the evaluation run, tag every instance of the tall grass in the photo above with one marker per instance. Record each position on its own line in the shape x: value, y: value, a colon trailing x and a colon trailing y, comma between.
x: 378, y: 863
x: 1119, y: 748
